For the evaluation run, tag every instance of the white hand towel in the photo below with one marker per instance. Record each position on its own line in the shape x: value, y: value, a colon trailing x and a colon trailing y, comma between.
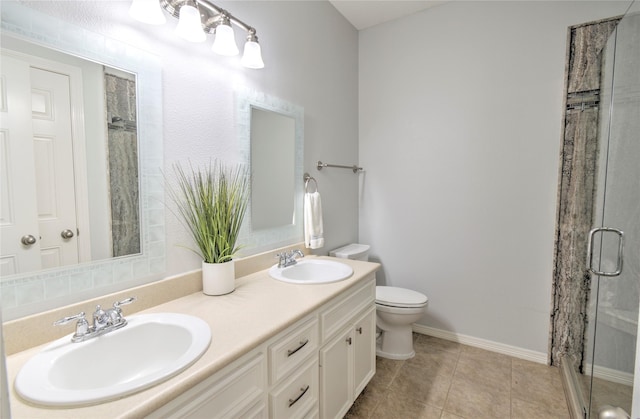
x: 313, y: 233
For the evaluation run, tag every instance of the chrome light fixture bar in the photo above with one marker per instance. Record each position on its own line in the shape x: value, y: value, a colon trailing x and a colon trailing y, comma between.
x: 200, y: 18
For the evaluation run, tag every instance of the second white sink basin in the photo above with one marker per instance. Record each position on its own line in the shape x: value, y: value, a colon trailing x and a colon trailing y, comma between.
x: 149, y: 349
x: 312, y: 271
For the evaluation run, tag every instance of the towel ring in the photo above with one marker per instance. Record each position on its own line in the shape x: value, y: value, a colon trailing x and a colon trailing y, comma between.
x: 307, y: 180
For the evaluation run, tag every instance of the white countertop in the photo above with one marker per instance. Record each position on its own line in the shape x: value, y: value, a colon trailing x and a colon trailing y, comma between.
x: 257, y: 310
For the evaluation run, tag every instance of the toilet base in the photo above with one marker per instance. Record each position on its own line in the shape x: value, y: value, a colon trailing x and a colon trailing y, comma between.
x: 397, y: 357
x: 396, y: 343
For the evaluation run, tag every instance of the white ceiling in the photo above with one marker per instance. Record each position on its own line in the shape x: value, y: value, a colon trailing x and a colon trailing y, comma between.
x: 366, y: 13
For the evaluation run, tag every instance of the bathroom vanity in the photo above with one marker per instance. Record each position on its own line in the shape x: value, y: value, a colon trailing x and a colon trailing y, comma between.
x: 278, y: 350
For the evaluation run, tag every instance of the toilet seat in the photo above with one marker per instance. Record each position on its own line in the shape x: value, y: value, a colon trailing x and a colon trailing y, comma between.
x: 399, y: 297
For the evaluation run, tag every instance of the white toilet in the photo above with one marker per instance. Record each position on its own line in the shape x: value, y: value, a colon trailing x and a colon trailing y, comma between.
x: 396, y: 310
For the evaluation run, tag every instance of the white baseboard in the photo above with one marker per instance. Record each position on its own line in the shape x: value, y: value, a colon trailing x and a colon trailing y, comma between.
x: 609, y: 374
x: 501, y: 348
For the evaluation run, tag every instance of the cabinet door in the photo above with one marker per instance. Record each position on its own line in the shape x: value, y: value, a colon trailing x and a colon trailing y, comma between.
x: 364, y: 350
x: 335, y: 376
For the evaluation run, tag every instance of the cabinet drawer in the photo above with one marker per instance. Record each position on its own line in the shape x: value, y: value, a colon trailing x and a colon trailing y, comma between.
x: 312, y: 414
x: 337, y: 316
x: 236, y: 392
x: 298, y: 395
x: 291, y: 350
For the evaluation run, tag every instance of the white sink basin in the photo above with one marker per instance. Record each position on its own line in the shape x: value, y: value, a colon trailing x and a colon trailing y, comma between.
x: 312, y: 271
x: 149, y: 349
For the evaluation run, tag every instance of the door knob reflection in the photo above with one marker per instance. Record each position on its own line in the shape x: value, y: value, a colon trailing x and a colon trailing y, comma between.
x: 28, y: 240
x: 66, y: 234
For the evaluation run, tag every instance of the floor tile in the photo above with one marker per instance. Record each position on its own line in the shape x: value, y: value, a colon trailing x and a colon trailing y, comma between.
x: 477, y: 400
x: 537, y: 383
x: 424, y: 385
x: 366, y: 403
x: 433, y: 363
x: 612, y: 394
x: 495, y: 373
x: 521, y: 409
x: 448, y: 380
x: 398, y: 406
x: 386, y: 370
x: 426, y: 344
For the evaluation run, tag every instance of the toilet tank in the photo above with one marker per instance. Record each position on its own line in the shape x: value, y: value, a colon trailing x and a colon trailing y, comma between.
x: 354, y: 251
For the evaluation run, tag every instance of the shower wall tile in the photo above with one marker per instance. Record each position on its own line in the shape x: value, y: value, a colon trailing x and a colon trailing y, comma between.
x: 123, y: 164
x: 587, y: 42
x: 571, y: 280
x: 577, y: 186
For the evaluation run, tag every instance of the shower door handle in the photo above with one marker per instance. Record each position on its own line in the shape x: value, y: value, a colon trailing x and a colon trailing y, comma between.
x: 620, y: 251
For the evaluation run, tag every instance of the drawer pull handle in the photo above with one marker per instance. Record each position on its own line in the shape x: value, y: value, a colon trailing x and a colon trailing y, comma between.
x: 293, y: 351
x: 303, y: 392
x: 348, y: 340
x: 359, y: 330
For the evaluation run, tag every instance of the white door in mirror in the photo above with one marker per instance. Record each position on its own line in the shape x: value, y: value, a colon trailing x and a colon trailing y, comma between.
x: 41, y: 203
x: 150, y: 349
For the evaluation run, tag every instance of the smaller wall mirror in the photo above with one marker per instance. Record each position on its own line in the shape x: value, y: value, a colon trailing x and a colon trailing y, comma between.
x: 272, y: 168
x: 271, y: 132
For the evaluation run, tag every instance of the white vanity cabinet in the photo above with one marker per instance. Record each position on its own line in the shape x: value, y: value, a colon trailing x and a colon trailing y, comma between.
x: 313, y: 369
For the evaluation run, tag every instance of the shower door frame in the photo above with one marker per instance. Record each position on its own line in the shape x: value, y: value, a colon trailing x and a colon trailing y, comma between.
x: 610, y: 343
x: 571, y: 282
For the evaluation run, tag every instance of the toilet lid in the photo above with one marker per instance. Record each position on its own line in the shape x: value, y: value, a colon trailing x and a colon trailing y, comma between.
x: 399, y: 297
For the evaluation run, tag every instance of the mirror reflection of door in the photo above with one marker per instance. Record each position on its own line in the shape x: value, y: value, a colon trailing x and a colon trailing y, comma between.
x: 39, y: 202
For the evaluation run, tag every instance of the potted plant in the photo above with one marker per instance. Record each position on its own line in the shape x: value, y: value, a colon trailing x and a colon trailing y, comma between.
x: 211, y: 202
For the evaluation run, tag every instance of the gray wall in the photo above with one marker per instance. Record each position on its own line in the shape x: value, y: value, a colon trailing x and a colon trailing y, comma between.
x: 460, y: 128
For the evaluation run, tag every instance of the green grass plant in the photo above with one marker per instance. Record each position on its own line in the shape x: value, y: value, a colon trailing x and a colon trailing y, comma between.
x: 211, y: 202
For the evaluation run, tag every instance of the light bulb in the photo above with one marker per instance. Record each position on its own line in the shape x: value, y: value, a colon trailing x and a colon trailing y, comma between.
x: 147, y: 11
x: 225, y: 42
x: 252, y: 57
x: 189, y: 25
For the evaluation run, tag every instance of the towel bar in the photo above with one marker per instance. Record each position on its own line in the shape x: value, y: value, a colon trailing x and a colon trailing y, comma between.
x: 355, y: 168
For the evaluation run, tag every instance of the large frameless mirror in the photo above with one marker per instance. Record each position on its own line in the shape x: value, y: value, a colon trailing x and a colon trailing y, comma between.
x: 74, y: 196
x: 89, y: 186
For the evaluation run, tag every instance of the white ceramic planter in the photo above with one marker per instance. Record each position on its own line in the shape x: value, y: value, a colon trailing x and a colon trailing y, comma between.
x: 218, y: 278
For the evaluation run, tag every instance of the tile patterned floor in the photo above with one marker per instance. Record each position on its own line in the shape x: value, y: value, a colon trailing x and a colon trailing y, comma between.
x: 447, y: 380
x: 608, y: 393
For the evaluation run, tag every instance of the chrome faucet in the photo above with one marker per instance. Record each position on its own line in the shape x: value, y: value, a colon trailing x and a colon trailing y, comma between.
x: 104, y: 321
x: 288, y: 259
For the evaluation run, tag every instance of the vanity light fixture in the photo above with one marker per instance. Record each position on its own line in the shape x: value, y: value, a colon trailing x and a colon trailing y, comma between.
x: 196, y: 19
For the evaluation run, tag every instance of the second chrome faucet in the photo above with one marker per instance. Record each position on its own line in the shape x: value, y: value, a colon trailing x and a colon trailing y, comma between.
x: 287, y: 259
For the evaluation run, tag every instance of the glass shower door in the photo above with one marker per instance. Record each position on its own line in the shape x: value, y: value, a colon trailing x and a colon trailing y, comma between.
x: 614, y: 257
